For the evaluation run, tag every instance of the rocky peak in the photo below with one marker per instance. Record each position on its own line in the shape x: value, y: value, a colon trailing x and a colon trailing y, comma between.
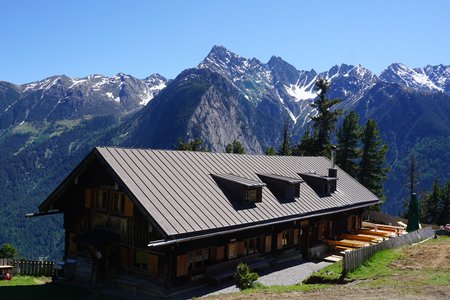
x: 413, y: 79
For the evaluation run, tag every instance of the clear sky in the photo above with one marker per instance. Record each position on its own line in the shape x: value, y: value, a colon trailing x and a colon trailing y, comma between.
x: 40, y: 38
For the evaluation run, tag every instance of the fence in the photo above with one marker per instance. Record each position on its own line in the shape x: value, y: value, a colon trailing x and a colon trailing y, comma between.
x: 355, y: 258
x: 29, y: 267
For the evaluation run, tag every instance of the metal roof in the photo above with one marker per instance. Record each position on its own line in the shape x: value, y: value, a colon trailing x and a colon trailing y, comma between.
x: 323, y: 177
x: 241, y: 180
x: 289, y: 180
x: 177, y: 190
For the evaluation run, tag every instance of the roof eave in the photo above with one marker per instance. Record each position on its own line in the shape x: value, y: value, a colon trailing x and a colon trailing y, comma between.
x: 192, y: 237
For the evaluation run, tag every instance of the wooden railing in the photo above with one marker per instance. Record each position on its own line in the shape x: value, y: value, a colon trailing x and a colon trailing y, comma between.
x: 29, y: 267
x: 355, y: 258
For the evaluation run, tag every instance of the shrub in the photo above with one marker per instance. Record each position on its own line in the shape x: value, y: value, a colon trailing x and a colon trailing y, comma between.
x: 244, y: 278
x: 8, y: 251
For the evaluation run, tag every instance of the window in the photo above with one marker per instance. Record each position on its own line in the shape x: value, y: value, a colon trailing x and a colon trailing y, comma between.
x: 232, y: 250
x: 140, y: 260
x: 100, y: 199
x: 251, y: 196
x: 198, y: 259
x: 287, y: 238
x: 117, y: 202
x: 252, y: 246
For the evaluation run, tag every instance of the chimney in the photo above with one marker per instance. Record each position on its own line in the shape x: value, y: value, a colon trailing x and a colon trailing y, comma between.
x: 332, y: 172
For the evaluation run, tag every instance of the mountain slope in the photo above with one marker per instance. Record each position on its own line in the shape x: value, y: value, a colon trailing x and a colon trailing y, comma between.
x: 46, y: 127
x: 61, y: 97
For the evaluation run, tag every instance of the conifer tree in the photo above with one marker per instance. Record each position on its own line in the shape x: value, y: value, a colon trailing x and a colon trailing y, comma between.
x: 325, y: 120
x: 372, y: 171
x: 235, y: 147
x: 191, y: 145
x: 285, y: 147
x: 431, y: 204
x: 306, y: 147
x: 412, y: 173
x: 270, y: 151
x: 348, y: 137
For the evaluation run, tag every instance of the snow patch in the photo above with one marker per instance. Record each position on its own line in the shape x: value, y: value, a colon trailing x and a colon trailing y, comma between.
x: 300, y: 93
x: 76, y: 82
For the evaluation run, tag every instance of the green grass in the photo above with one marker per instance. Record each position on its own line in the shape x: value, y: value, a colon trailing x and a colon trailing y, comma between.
x: 23, y: 280
x: 376, y: 266
x: 331, y: 273
x: 287, y: 288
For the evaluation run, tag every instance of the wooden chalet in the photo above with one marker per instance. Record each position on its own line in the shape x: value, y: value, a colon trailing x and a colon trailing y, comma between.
x: 172, y: 216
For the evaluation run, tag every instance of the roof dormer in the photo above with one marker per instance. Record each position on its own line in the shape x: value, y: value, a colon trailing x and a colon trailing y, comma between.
x: 322, y: 185
x: 240, y: 188
x: 284, y: 188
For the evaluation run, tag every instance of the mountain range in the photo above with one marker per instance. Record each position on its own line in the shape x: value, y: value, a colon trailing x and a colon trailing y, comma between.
x: 47, y: 127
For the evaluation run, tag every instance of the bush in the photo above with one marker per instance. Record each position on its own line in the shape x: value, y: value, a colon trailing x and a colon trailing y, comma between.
x: 7, y: 251
x: 244, y: 278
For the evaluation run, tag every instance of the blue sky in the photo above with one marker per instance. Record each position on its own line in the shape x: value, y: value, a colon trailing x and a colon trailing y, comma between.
x: 40, y: 38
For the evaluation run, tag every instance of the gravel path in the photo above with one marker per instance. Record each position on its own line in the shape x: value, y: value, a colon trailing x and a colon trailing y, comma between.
x: 286, y: 273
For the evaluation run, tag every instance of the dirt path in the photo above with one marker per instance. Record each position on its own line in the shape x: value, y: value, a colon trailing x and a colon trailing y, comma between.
x: 423, y: 272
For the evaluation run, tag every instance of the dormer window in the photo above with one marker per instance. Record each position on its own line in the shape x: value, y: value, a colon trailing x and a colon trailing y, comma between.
x: 240, y: 188
x: 322, y: 185
x: 284, y: 188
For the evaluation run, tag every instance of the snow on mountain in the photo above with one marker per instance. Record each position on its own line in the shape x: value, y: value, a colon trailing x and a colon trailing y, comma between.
x: 302, y: 90
x: 439, y: 75
x: 415, y: 79
x: 250, y: 76
x: 62, y: 97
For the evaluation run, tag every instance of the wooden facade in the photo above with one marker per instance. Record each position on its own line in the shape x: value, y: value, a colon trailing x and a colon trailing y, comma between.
x: 110, y: 230
x: 104, y: 208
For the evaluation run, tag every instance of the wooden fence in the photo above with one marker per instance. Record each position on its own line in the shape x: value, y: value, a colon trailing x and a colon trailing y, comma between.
x: 29, y: 267
x: 355, y: 258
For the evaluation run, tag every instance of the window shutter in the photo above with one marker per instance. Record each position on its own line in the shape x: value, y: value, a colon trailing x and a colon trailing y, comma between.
x: 128, y: 212
x: 88, y: 198
x: 268, y: 246
x: 279, y: 240
x: 182, y: 265
x: 241, y: 248
x: 296, y: 234
x: 220, y: 253
x: 321, y: 229
x: 152, y: 266
x: 349, y: 223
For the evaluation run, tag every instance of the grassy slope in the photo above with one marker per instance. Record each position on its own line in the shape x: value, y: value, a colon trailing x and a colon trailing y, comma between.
x: 395, y: 272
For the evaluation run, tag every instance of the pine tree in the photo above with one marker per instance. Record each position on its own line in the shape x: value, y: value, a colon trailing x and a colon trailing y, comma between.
x: 270, y: 151
x: 285, y: 147
x: 325, y: 120
x: 235, y: 147
x: 306, y: 147
x: 191, y: 145
x: 348, y: 137
x: 431, y: 204
x: 372, y: 171
x: 444, y: 216
x: 412, y: 173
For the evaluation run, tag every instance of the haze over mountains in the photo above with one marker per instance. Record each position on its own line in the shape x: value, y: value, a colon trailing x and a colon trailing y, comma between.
x: 47, y: 127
